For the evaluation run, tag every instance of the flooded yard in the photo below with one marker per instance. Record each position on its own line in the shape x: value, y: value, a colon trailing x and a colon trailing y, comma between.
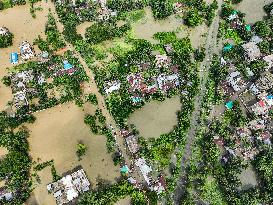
x: 125, y: 201
x: 19, y: 21
x: 55, y: 135
x: 156, y: 118
x: 147, y: 27
x: 253, y: 9
x: 248, y: 178
x: 82, y: 27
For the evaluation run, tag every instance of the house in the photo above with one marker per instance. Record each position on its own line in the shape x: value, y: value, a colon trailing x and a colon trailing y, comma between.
x: 252, y: 51
x: 145, y: 169
x: 26, y: 50
x: 256, y: 124
x: 256, y: 39
x: 262, y: 107
x: 14, y: 58
x: 159, y: 185
x: 132, y: 143
x: 235, y: 80
x: 68, y: 188
x: 20, y: 99
x: 265, y: 82
x: 265, y: 136
x: 67, y: 69
x: 112, y: 86
x: 226, y: 88
x: 162, y: 61
x: 269, y: 60
x: 4, y: 31
x: 166, y: 82
x: 5, y: 195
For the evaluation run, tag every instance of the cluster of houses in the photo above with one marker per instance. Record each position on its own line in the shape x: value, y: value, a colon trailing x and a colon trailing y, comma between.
x: 158, y: 185
x: 68, y: 188
x: 26, y: 53
x: 139, y: 86
x: 22, y: 89
x: 255, y: 96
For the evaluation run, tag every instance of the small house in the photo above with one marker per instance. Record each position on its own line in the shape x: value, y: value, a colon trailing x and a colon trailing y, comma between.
x: 167, y: 82
x: 14, y: 58
x: 132, y: 144
x: 26, y: 50
x: 252, y: 51
x: 236, y: 81
x: 112, y: 86
x: 269, y: 60
x: 4, y: 31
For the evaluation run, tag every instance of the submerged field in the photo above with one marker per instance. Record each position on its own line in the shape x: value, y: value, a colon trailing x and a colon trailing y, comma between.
x: 55, y: 134
x: 156, y: 118
x: 253, y: 9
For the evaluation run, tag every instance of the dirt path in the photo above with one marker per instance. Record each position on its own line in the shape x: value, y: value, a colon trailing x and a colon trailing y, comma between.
x: 211, y: 47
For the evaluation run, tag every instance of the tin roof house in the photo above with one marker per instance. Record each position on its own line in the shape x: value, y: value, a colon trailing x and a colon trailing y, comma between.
x: 236, y: 81
x: 26, y: 50
x: 68, y: 188
x: 252, y: 51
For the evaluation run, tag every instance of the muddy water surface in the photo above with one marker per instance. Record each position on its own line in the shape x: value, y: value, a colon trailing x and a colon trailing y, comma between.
x: 253, y: 9
x: 55, y: 134
x: 19, y: 21
x: 156, y: 118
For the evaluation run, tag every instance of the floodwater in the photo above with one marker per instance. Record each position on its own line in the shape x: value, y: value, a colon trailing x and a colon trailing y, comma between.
x: 156, y: 118
x: 253, y: 9
x: 147, y: 27
x: 248, y: 178
x: 55, y: 135
x: 125, y: 201
x: 19, y: 21
x: 82, y: 27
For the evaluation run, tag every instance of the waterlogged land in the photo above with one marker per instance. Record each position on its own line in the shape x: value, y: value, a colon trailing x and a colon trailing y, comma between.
x: 148, y: 26
x: 156, y: 118
x: 55, y: 134
x: 25, y: 28
x: 253, y: 9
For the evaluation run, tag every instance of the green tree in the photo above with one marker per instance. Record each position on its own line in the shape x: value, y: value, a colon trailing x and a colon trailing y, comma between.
x: 81, y: 150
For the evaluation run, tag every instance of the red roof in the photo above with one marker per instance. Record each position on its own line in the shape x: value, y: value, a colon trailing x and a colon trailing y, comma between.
x: 261, y: 103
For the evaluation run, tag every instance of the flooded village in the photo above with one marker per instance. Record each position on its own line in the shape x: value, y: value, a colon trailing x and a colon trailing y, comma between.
x: 97, y: 107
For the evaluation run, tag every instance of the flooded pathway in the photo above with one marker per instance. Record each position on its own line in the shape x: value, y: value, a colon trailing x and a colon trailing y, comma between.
x: 211, y: 48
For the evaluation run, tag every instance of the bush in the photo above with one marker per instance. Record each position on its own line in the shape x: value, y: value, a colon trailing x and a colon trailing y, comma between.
x: 193, y: 18
x: 161, y: 8
x: 81, y: 150
x: 6, y: 40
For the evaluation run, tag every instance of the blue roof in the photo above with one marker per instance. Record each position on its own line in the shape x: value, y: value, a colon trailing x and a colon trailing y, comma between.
x: 270, y: 97
x: 228, y: 47
x: 14, y: 57
x: 124, y: 169
x: 67, y: 66
x: 136, y: 99
x: 229, y: 105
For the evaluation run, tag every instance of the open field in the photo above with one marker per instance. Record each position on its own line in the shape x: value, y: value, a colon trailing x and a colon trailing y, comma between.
x: 253, y: 9
x: 148, y: 26
x: 55, y: 134
x: 156, y: 118
x: 19, y: 21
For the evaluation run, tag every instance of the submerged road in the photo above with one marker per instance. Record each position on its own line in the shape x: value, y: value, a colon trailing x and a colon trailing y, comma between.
x: 211, y: 47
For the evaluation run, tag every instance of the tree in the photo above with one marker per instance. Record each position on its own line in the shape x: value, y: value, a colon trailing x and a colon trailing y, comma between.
x: 193, y: 18
x: 262, y: 29
x: 1, y: 5
x: 161, y: 8
x: 81, y: 150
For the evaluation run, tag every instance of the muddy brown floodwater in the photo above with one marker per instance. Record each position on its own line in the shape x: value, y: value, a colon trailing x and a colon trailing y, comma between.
x: 156, y: 118
x: 148, y: 26
x: 19, y: 21
x: 82, y: 27
x: 253, y: 9
x: 55, y: 135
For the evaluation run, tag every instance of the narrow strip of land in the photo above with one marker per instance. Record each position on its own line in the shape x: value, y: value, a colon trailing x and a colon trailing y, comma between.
x: 211, y: 47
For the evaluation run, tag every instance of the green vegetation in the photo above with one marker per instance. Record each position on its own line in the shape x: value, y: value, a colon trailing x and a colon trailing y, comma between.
x: 81, y: 150
x: 6, y: 40
x: 161, y: 8
x: 111, y: 194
